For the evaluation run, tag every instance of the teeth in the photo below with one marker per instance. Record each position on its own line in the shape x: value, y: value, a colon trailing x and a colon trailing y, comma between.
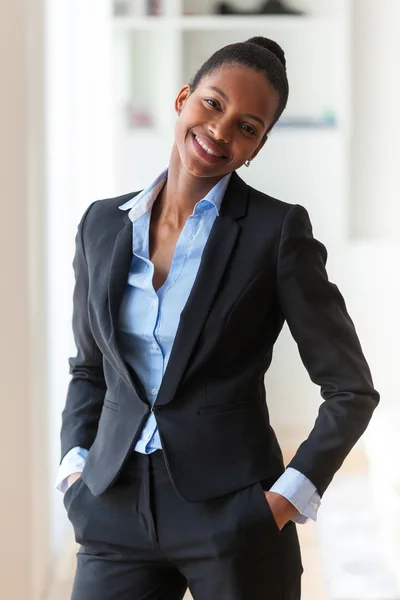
x: 206, y: 149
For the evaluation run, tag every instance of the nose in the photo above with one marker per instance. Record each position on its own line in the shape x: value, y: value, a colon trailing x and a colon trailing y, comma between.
x: 220, y: 130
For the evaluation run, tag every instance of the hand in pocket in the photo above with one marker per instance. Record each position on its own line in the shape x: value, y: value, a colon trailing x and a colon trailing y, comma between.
x: 72, y: 478
x: 282, y: 510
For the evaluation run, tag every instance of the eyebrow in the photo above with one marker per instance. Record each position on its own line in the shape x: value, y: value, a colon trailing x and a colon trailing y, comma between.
x: 226, y: 98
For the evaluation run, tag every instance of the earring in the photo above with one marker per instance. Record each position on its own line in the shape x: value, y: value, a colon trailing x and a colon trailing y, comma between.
x: 247, y: 163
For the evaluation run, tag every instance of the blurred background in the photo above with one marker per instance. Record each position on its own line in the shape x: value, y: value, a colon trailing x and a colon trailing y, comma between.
x: 86, y: 112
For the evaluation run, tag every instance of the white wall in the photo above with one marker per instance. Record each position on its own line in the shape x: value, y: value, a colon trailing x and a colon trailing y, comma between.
x: 376, y: 119
x: 79, y: 171
x: 374, y: 250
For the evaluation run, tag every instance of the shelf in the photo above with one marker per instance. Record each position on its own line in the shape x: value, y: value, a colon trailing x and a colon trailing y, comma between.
x: 218, y: 22
x: 157, y: 55
x: 330, y: 132
x: 306, y: 125
x: 140, y: 134
x: 222, y: 22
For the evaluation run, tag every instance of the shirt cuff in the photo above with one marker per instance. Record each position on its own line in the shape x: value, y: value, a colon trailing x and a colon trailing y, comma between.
x: 73, y: 462
x: 301, y: 492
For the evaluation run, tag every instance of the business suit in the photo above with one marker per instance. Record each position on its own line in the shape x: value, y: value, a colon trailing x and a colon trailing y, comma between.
x: 260, y: 266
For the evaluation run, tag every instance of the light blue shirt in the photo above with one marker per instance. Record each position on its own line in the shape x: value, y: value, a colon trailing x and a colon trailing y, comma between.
x: 148, y: 321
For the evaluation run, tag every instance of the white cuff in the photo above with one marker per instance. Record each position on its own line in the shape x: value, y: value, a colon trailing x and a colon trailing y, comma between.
x: 73, y: 462
x: 301, y: 492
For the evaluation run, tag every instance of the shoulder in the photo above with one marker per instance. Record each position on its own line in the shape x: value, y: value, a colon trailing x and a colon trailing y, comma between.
x: 107, y: 206
x: 265, y: 208
x: 105, y: 210
x: 263, y: 201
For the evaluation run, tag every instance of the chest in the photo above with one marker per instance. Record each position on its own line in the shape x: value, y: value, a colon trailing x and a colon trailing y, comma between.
x: 162, y: 245
x: 175, y: 257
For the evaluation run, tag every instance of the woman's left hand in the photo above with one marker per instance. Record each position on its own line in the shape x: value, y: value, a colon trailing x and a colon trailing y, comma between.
x: 281, y: 508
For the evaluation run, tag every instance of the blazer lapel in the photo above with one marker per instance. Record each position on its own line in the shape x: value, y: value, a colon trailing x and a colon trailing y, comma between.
x: 118, y: 275
x: 215, y: 258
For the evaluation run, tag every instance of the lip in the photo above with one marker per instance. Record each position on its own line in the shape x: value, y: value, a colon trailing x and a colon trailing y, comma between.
x: 211, y: 145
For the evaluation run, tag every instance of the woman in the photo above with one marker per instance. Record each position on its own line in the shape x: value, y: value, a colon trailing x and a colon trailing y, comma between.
x: 181, y: 292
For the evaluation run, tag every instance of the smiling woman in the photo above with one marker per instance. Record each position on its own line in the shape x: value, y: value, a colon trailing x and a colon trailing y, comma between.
x: 231, y: 104
x: 181, y: 292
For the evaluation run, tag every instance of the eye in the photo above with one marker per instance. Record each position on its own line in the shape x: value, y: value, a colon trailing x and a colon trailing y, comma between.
x: 214, y: 103
x: 250, y: 129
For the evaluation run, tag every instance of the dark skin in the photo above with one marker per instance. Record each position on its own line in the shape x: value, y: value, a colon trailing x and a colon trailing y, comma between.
x: 236, y: 119
x: 221, y: 117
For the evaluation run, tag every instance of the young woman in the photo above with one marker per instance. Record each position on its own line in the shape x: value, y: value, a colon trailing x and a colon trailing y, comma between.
x: 181, y: 292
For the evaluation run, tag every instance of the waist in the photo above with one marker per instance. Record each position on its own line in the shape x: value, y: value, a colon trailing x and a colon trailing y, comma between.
x: 138, y: 461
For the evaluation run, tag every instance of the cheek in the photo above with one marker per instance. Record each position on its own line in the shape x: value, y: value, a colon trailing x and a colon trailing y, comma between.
x: 241, y: 149
x: 183, y: 136
x: 194, y: 114
x: 181, y: 130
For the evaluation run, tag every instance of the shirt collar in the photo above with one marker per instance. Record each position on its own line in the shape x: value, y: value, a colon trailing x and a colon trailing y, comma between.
x: 142, y: 202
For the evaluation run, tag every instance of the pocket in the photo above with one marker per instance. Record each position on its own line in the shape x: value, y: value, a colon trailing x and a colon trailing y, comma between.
x: 220, y: 408
x: 69, y: 493
x: 267, y: 509
x: 271, y: 515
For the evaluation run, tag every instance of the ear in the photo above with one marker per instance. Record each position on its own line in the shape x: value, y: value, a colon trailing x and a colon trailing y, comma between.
x: 260, y: 145
x: 181, y: 98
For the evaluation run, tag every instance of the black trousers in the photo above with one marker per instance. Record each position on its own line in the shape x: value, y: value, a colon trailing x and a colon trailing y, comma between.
x: 140, y: 541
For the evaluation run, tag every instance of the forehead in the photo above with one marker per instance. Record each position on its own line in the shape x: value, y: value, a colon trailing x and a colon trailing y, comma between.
x: 247, y: 90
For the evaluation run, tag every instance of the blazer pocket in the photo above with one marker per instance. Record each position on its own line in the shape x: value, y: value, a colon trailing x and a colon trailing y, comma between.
x: 110, y: 404
x: 221, y: 408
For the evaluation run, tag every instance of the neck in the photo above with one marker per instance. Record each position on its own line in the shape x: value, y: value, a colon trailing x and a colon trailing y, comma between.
x: 181, y: 192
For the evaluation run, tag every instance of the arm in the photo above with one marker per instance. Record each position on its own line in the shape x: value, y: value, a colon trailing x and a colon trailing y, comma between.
x: 87, y: 387
x: 298, y: 490
x: 329, y: 348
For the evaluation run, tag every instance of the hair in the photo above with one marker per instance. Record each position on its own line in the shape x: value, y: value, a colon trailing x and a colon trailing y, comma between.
x: 258, y: 53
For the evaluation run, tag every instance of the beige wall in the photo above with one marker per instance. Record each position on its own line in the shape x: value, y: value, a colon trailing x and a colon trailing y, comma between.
x: 24, y: 556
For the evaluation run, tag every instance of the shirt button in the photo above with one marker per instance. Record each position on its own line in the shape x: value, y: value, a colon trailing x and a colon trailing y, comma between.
x: 315, y: 505
x: 154, y: 391
x: 154, y: 346
x: 154, y: 303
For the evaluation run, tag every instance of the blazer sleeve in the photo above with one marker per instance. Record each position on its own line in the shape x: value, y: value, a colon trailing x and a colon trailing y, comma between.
x: 329, y: 348
x: 87, y: 386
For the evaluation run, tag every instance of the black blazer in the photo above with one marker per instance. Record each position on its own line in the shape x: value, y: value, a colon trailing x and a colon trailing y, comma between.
x: 260, y: 266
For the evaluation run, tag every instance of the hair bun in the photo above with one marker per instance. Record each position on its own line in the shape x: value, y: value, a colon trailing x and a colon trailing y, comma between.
x: 269, y: 45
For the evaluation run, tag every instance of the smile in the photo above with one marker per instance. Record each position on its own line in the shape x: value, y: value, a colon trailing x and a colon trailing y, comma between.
x: 208, y: 150
x: 204, y: 151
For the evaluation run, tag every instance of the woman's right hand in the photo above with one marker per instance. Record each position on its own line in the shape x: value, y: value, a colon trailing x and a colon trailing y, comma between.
x: 72, y: 478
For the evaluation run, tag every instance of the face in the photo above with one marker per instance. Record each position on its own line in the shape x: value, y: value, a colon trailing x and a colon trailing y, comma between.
x: 223, y: 122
